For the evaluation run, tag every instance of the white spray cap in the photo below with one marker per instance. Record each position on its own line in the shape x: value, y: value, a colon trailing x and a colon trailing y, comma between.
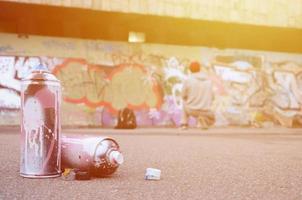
x: 152, y: 174
x: 116, y: 157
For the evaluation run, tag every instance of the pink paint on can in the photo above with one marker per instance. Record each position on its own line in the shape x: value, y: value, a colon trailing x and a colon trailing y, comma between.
x: 40, y: 125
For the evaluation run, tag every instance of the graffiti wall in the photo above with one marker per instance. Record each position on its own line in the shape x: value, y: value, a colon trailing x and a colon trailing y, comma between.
x: 259, y: 89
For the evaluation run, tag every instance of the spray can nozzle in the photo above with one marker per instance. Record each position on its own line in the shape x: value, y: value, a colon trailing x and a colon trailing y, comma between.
x: 40, y: 67
x: 115, y: 157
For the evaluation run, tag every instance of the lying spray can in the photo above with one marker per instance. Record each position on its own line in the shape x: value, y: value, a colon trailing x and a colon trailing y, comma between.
x: 40, y: 125
x: 100, y: 156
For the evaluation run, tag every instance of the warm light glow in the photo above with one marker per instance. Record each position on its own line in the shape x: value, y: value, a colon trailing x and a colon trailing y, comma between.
x: 136, y: 37
x: 280, y: 13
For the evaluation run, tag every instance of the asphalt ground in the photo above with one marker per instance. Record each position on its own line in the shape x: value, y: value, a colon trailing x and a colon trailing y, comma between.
x: 232, y: 163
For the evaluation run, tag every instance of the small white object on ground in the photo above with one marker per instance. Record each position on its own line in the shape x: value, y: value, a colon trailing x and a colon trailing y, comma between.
x: 152, y: 174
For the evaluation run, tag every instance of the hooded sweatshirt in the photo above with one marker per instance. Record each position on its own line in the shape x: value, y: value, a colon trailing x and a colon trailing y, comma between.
x: 197, y: 92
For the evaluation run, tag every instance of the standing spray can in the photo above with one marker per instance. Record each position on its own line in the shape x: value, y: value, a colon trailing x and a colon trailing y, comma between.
x: 100, y: 156
x: 40, y: 125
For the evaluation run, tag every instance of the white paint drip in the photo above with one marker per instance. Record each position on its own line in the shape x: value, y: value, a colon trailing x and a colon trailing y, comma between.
x: 33, y: 125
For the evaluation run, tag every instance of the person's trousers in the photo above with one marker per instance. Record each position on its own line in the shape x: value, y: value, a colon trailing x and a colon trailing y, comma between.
x: 204, y: 118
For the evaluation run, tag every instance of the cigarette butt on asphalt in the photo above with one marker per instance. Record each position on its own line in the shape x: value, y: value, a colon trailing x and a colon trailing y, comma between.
x: 82, y: 175
x: 68, y: 174
x: 75, y: 174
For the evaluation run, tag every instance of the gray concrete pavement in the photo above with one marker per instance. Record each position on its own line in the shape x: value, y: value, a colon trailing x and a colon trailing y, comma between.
x: 214, y: 164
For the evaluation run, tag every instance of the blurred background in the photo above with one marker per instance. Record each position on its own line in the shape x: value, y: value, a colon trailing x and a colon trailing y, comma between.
x: 111, y: 54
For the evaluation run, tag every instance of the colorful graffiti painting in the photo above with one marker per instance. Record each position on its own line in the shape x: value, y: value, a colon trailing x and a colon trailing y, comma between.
x: 249, y: 91
x: 126, y: 85
x: 255, y: 96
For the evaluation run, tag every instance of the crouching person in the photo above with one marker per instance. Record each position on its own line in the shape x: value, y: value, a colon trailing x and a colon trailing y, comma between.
x: 197, y: 95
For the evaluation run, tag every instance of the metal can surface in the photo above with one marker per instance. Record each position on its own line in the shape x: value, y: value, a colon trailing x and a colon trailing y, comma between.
x: 100, y: 156
x: 40, y: 125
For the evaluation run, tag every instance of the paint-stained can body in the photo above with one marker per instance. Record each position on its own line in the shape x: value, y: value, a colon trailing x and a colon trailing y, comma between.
x: 100, y: 156
x: 40, y: 125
